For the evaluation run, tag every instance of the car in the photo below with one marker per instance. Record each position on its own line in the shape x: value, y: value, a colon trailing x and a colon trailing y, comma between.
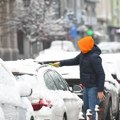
x: 14, y: 103
x: 65, y: 49
x: 113, y: 86
x: 110, y: 107
x: 51, y: 98
x: 109, y: 47
x: 112, y: 61
x: 69, y: 75
x: 63, y: 45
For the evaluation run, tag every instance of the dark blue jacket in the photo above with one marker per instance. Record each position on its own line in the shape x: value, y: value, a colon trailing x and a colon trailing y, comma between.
x: 91, y: 70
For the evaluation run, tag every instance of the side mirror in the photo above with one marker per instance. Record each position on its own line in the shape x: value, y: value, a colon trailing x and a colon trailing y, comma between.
x: 114, y: 76
x: 77, y: 88
x: 25, y: 89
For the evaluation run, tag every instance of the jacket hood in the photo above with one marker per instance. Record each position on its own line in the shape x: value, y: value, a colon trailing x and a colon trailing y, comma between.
x: 96, y: 50
x: 86, y: 44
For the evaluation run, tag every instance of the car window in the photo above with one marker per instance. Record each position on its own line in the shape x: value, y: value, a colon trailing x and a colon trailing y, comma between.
x: 65, y: 84
x: 49, y: 82
x: 6, y: 77
x: 59, y: 81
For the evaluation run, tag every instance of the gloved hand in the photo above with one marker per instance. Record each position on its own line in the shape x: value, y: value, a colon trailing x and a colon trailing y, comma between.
x: 56, y: 64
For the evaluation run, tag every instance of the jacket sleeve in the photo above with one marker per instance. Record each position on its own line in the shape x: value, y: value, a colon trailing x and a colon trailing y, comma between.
x: 99, y: 71
x: 69, y: 62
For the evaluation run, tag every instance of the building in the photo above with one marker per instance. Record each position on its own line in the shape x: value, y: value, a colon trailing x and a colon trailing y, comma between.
x: 8, y: 43
x: 103, y: 11
x: 103, y: 14
x: 115, y: 21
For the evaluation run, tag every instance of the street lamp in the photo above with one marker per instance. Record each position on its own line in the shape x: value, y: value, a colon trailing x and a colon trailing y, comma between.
x: 26, y: 3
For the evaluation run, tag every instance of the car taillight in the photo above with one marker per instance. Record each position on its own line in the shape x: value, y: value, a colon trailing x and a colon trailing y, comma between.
x: 37, y: 106
x: 118, y: 81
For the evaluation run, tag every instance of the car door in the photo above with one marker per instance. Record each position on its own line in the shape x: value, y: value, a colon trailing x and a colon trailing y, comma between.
x: 115, y: 98
x: 70, y: 100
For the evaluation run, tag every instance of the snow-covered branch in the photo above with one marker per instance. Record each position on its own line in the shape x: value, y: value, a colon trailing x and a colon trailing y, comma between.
x: 37, y: 21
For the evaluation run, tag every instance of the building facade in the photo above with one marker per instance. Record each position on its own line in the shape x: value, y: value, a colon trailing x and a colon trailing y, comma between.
x: 103, y: 14
x: 115, y: 21
x: 8, y: 43
x: 14, y: 45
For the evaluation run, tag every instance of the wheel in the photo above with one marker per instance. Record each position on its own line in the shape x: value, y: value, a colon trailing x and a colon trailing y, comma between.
x: 109, y: 112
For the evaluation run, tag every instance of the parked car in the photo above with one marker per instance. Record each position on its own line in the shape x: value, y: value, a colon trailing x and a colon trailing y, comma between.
x: 109, y: 47
x: 51, y: 98
x: 110, y: 107
x: 114, y: 88
x: 111, y: 86
x: 112, y: 61
x: 64, y: 48
x: 14, y: 104
x: 63, y: 45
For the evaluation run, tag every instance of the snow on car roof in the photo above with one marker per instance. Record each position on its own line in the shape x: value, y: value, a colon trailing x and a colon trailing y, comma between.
x: 109, y: 47
x: 61, y: 43
x: 22, y: 66
x: 56, y: 55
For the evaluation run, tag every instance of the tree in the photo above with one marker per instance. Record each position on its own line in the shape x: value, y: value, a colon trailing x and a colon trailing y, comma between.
x: 37, y: 21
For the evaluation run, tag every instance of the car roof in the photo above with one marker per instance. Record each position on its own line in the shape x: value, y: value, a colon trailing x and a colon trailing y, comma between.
x: 26, y: 66
x: 109, y: 47
x: 55, y: 56
x: 58, y: 43
x: 22, y: 66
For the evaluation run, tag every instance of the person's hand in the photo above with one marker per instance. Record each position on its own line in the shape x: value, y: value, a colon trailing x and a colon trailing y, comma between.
x: 81, y: 86
x: 55, y: 64
x: 101, y: 96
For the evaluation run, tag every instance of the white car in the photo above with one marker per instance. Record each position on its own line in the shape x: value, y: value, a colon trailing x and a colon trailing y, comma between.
x: 51, y: 98
x: 58, y: 50
x: 113, y: 62
x: 113, y: 86
x: 109, y: 47
x: 111, y: 106
x: 14, y: 104
x: 60, y: 45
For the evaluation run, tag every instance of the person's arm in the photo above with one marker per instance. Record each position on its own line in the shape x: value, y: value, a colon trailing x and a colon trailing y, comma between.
x: 70, y: 62
x: 67, y: 62
x: 98, y: 68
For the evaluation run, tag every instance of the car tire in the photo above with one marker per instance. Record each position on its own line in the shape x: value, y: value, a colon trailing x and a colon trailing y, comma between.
x: 109, y: 112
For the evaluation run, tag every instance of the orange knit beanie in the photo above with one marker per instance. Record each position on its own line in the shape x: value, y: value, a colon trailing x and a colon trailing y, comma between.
x: 86, y: 44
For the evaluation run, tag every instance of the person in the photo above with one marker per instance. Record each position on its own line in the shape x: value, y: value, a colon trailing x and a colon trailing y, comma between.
x: 92, y: 75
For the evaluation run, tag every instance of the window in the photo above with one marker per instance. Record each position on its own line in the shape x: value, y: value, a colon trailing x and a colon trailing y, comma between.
x: 59, y: 81
x: 49, y: 82
x: 20, y: 38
